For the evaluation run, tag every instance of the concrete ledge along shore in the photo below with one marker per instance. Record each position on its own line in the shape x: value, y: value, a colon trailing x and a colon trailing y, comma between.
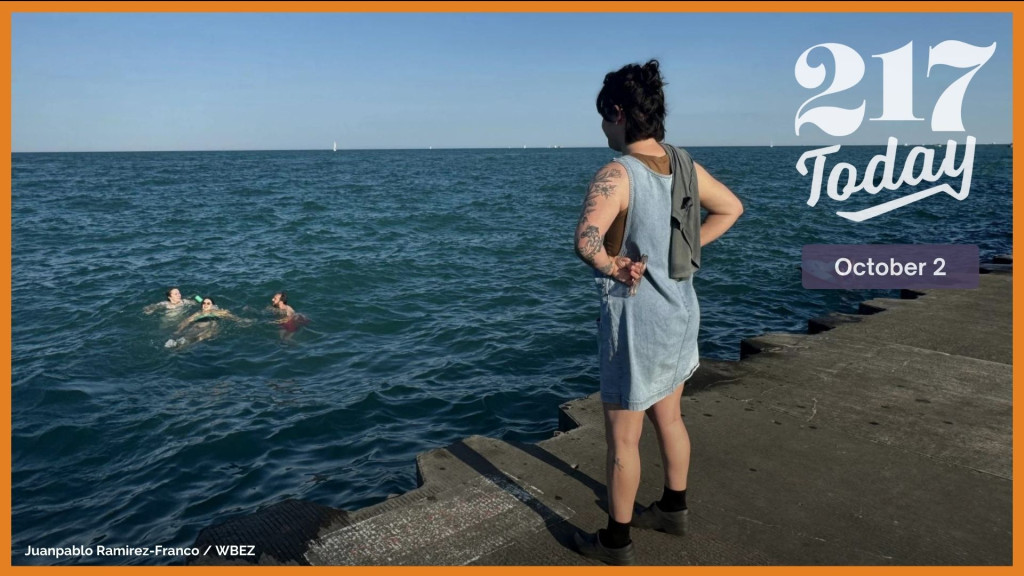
x: 877, y: 439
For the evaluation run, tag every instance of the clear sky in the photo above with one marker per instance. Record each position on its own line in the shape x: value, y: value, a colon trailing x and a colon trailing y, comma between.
x: 105, y: 82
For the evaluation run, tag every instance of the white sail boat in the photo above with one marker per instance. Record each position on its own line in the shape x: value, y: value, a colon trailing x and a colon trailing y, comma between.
x: 335, y: 145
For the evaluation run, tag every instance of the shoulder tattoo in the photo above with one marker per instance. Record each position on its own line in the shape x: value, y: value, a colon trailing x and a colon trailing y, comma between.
x: 603, y: 183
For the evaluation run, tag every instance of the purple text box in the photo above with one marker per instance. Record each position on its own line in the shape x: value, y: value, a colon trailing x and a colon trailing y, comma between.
x: 888, y: 266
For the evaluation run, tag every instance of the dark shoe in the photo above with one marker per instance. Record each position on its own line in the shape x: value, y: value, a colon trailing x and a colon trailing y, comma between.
x: 653, y: 518
x: 589, y: 545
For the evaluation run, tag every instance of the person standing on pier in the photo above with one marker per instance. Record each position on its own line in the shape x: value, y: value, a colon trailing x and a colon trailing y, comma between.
x: 650, y: 317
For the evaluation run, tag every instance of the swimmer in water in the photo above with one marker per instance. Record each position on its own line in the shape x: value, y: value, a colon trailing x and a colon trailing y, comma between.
x: 279, y: 303
x: 202, y: 325
x: 173, y: 302
x: 289, y: 321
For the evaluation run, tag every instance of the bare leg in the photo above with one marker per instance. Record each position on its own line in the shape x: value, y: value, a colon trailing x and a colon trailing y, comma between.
x: 622, y: 434
x: 672, y: 439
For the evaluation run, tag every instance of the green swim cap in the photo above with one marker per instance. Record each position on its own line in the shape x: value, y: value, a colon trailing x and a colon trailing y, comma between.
x: 199, y: 298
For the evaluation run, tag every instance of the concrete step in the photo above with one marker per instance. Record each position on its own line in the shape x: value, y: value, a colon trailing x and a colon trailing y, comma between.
x: 883, y: 441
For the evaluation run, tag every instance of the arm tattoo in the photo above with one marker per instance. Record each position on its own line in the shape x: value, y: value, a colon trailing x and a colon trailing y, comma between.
x: 603, y: 183
x: 602, y: 186
x: 589, y: 205
x: 590, y: 242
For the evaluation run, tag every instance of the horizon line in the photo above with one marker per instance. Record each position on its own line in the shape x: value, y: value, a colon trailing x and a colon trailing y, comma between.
x: 461, y: 148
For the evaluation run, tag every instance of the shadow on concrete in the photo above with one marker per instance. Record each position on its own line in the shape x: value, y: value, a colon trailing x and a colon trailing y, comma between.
x: 558, y: 526
x: 598, y: 488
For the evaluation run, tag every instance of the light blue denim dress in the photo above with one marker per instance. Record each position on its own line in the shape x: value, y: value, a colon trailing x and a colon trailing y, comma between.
x: 647, y: 342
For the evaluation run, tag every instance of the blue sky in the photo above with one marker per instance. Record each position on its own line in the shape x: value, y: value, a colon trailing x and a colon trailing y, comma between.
x: 104, y: 82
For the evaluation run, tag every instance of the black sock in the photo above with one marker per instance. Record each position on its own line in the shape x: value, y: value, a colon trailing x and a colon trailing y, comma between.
x: 672, y: 500
x: 616, y: 535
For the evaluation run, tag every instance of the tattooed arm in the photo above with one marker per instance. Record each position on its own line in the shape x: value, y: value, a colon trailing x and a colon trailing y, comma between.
x: 607, y: 195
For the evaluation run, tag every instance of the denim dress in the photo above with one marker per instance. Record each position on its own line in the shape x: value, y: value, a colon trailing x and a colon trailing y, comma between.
x: 647, y: 342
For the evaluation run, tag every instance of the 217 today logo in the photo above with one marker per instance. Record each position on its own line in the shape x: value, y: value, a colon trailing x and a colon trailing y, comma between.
x: 897, y: 106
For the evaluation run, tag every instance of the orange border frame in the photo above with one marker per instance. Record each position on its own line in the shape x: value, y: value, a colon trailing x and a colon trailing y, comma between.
x: 8, y: 8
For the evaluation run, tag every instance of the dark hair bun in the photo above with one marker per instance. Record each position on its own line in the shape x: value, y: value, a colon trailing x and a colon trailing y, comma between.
x: 650, y: 75
x: 638, y: 92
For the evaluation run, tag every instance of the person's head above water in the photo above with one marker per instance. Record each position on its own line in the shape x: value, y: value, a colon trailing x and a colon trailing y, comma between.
x: 173, y: 295
x: 632, y: 104
x: 279, y: 299
x: 208, y: 304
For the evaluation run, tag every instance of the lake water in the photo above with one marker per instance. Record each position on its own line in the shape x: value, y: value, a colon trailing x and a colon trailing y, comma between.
x: 444, y: 300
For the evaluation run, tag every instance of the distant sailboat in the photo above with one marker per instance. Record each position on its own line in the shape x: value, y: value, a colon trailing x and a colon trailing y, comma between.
x: 335, y: 145
x: 771, y: 144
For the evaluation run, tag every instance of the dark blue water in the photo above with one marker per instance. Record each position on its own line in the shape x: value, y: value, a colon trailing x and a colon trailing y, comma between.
x: 444, y: 299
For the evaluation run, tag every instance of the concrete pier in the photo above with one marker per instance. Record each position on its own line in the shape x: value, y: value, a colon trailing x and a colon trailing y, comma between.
x: 879, y: 439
